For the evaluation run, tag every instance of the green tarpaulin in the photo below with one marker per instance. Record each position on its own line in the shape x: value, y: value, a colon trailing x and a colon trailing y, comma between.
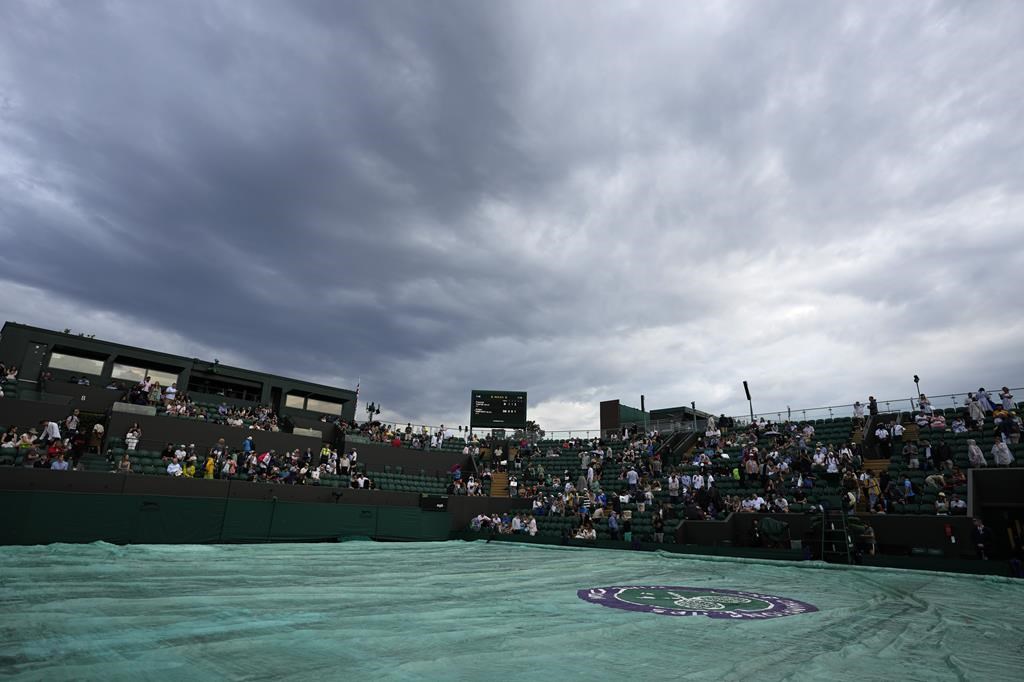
x: 476, y: 611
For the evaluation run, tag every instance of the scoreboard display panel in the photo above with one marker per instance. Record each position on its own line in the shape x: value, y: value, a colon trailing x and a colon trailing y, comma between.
x: 498, y: 409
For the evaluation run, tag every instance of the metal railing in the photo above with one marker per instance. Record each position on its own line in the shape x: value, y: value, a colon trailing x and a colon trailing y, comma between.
x: 939, y: 401
x: 903, y: 404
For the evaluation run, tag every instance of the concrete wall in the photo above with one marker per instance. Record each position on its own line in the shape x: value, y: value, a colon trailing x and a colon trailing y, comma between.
x: 28, y: 413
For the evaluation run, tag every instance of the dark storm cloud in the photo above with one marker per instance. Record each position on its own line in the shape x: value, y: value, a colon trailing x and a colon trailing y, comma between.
x: 584, y: 205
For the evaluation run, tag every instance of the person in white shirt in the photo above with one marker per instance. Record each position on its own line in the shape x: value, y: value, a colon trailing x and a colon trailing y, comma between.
x: 517, y: 524
x: 632, y: 478
x: 170, y: 393
x: 1006, y: 398
x: 1001, y: 453
x: 698, y: 481
x: 532, y: 527
x: 71, y: 423
x: 897, y: 432
x: 131, y: 440
x: 673, y: 488
x: 882, y: 434
x: 50, y: 431
x: 174, y: 469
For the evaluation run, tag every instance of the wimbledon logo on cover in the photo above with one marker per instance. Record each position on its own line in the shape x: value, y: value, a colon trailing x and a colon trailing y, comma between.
x: 695, y: 601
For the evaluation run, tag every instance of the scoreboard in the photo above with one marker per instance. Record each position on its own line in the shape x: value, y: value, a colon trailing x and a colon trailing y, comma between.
x: 498, y: 409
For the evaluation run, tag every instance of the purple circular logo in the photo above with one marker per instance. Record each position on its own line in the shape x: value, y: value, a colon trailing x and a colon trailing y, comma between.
x: 668, y: 600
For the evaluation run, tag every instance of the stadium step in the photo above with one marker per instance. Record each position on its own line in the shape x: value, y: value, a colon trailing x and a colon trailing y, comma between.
x: 499, y: 484
x: 876, y: 466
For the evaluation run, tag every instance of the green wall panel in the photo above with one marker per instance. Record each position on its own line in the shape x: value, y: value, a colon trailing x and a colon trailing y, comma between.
x: 40, y: 517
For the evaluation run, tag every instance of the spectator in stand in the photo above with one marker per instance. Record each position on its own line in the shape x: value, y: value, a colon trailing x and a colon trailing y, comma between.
x: 985, y: 400
x: 884, y: 446
x: 59, y: 464
x: 873, y: 489
x: 896, y: 430
x: 924, y: 404
x: 938, y: 422
x: 50, y: 431
x: 957, y: 505
x: 872, y: 406
x: 1006, y: 398
x: 941, y: 506
x: 959, y: 425
x: 154, y: 393
x: 910, y: 453
x: 1009, y: 429
x: 71, y: 423
x: 125, y: 465
x: 132, y: 438
x: 974, y: 454
x: 174, y: 468
x: 96, y: 439
x: 909, y: 494
x: 858, y: 412
x: 1001, y: 454
x: 9, y: 440
x: 922, y: 420
x: 975, y: 412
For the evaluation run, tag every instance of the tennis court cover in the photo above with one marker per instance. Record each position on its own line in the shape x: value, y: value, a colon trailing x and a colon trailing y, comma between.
x: 500, y: 611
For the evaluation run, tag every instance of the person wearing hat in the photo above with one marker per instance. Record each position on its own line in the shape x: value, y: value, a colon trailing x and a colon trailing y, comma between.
x: 936, y: 480
x: 189, y: 470
x: 941, y: 506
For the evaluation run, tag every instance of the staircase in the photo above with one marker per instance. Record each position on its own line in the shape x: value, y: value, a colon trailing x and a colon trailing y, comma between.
x: 499, y: 484
x: 876, y: 466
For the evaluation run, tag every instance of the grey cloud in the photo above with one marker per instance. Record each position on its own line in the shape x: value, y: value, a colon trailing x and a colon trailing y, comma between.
x: 582, y: 205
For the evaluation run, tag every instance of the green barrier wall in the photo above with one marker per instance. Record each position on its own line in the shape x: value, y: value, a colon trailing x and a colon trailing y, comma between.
x: 42, y: 517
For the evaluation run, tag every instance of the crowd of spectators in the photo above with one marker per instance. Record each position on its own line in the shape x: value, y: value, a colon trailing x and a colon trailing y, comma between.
x: 175, y: 403
x: 419, y: 437
x: 782, y: 463
x: 52, y: 444
x: 250, y: 463
x: 506, y: 524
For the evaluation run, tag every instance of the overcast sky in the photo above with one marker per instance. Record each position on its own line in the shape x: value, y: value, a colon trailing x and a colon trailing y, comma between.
x: 584, y: 202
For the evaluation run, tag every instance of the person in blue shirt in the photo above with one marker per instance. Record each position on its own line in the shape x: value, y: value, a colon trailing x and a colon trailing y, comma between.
x: 908, y: 490
x: 613, y: 525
